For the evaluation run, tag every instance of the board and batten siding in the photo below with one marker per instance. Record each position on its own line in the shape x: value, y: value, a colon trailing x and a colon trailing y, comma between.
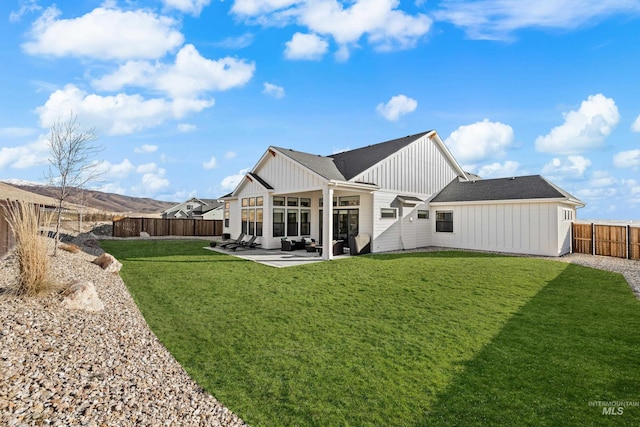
x: 423, y: 227
x: 287, y: 176
x: 527, y: 228
x: 419, y: 168
x: 386, y: 231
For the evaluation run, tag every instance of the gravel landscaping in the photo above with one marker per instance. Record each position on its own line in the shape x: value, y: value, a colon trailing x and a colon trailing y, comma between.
x: 67, y: 367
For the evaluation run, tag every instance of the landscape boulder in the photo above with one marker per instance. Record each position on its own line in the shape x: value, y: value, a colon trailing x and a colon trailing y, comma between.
x: 144, y: 235
x: 108, y: 263
x: 82, y: 295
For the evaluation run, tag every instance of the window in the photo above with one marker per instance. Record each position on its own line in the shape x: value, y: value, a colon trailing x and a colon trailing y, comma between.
x: 258, y: 222
x: 252, y: 201
x: 444, y: 221
x: 349, y: 201
x: 292, y: 201
x: 245, y: 202
x: 335, y: 201
x: 278, y: 201
x: 226, y: 218
x: 278, y: 222
x: 245, y: 213
x: 305, y: 222
x: 387, y: 213
x: 189, y: 207
x: 259, y: 201
x: 252, y: 222
x: 292, y: 222
x: 305, y: 203
x: 423, y: 214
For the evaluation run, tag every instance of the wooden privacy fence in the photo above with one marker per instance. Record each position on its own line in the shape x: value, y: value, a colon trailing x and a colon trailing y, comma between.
x: 6, y: 235
x: 621, y: 241
x: 132, y: 227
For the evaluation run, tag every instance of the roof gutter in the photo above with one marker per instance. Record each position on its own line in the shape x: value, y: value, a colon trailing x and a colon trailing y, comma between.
x: 574, y: 202
x: 352, y: 185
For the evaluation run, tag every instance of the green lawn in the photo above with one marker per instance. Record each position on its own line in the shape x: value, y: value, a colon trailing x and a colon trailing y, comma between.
x: 417, y: 339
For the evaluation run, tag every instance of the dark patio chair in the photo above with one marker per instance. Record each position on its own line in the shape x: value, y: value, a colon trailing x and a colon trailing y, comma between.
x: 233, y: 242
x: 245, y: 244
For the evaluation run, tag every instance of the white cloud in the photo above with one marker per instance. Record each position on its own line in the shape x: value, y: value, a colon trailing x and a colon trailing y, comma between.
x: 193, y: 7
x: 187, y: 127
x: 147, y: 168
x: 152, y: 182
x: 16, y: 132
x: 306, y: 46
x: 602, y: 179
x: 500, y: 170
x: 260, y: 7
x: 211, y: 164
x: 480, y: 140
x: 636, y: 125
x: 273, y: 90
x: 397, y: 107
x: 110, y: 187
x: 108, y: 170
x: 596, y: 193
x: 582, y: 130
x: 118, y: 114
x: 26, y: 6
x: 188, y: 77
x: 239, y: 42
x: 385, y: 26
x: 230, y: 155
x: 104, y: 34
x: 627, y: 159
x: 146, y: 148
x: 230, y: 182
x: 574, y: 167
x: 192, y: 74
x: 25, y: 156
x: 496, y: 19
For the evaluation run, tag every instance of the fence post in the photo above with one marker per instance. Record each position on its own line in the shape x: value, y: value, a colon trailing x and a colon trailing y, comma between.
x: 571, y: 237
x: 628, y: 242
x: 593, y: 239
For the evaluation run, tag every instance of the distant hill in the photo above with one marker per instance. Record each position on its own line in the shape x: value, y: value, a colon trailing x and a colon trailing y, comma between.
x: 105, y: 202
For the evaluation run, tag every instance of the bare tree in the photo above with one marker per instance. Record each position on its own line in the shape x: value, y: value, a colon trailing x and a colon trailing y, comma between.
x: 71, y: 163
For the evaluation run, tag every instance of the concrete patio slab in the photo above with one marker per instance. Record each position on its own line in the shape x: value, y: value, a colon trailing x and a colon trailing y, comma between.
x: 275, y: 257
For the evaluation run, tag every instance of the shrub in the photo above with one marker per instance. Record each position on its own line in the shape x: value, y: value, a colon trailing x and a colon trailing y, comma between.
x: 31, y: 250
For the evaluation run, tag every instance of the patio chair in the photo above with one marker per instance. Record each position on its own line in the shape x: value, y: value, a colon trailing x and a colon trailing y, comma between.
x: 249, y: 244
x: 242, y: 244
x: 310, y: 245
x: 233, y: 242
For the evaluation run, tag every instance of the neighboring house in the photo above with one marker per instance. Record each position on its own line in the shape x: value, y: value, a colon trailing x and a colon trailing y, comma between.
x: 404, y: 194
x: 195, y: 208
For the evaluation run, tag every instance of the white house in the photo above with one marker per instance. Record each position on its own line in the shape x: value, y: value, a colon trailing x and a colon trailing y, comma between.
x: 195, y: 208
x: 402, y: 194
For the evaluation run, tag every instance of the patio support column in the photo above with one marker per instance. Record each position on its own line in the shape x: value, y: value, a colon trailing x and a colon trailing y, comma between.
x: 327, y: 223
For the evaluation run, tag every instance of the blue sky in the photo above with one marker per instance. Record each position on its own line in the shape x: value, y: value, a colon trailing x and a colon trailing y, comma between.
x: 186, y: 95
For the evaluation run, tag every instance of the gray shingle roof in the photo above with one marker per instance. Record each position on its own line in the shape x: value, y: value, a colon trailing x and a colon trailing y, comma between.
x: 353, y: 162
x: 323, y: 166
x: 348, y: 164
x: 517, y: 188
